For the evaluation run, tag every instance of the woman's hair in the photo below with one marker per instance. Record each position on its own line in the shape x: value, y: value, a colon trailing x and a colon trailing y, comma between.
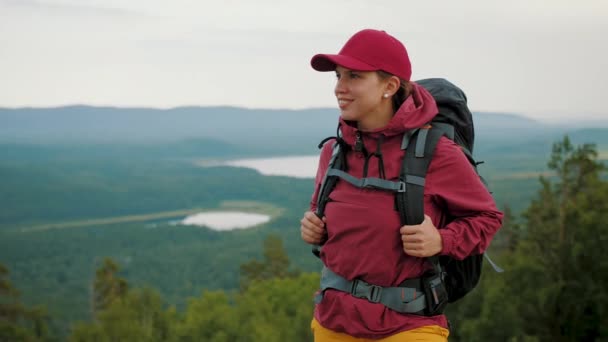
x: 405, y: 89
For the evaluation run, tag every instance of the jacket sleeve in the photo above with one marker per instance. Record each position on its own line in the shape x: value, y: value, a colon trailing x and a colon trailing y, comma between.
x: 473, y: 218
x: 321, y: 170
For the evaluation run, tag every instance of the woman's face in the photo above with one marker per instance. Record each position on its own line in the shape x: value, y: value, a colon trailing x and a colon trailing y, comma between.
x: 359, y: 94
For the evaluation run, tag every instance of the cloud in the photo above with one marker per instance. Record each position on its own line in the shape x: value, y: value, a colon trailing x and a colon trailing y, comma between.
x: 521, y: 55
x: 68, y: 7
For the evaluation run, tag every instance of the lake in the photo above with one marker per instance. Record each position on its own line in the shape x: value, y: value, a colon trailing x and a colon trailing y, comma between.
x: 292, y: 166
x: 224, y: 220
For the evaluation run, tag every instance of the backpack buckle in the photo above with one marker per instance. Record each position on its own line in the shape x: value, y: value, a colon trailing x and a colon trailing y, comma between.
x: 402, y: 187
x: 435, y: 293
x: 361, y: 289
x: 375, y: 294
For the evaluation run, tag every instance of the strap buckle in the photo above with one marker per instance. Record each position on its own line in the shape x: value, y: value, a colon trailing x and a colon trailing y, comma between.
x: 361, y: 289
x: 402, y: 187
x: 435, y: 293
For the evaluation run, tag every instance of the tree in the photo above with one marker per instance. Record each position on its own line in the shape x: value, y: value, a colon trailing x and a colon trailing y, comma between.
x: 137, y: 316
x: 556, y: 288
x: 275, y: 264
x: 122, y: 314
x: 279, y: 309
x: 509, y: 233
x: 17, y: 322
x: 211, y: 318
x: 475, y: 317
x: 566, y: 226
x: 107, y: 286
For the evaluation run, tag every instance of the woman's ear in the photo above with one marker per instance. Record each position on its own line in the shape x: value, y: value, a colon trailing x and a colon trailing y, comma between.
x: 392, y: 85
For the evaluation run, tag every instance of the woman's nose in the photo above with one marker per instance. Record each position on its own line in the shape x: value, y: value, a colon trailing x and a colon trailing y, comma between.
x: 340, y: 87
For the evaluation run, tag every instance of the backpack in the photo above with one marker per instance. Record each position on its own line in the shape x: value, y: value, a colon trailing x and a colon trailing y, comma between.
x: 454, y: 121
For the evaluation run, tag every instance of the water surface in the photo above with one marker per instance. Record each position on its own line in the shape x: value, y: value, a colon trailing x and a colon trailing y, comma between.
x: 225, y: 220
x: 293, y: 166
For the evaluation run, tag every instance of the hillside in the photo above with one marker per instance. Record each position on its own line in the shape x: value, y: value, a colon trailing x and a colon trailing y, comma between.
x: 266, y: 131
x: 95, y: 175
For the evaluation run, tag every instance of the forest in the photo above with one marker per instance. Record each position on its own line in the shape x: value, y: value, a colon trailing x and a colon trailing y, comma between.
x: 151, y: 281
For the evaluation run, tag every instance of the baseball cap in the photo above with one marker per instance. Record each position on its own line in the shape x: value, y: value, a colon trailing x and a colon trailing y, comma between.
x: 368, y: 50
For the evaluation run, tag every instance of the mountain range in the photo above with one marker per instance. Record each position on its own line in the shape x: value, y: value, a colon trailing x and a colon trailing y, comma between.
x: 266, y: 131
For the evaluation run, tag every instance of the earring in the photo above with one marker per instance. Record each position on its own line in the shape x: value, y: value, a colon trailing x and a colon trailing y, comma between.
x: 385, y: 96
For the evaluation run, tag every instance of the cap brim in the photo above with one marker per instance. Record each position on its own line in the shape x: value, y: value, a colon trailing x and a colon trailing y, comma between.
x: 325, y: 62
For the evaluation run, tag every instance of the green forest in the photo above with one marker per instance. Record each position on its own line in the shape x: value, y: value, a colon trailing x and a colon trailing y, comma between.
x: 148, y: 280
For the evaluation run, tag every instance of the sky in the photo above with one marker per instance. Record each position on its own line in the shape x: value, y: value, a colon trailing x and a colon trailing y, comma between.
x: 545, y: 59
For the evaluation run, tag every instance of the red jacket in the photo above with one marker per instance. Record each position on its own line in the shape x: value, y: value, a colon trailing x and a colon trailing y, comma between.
x: 363, y: 226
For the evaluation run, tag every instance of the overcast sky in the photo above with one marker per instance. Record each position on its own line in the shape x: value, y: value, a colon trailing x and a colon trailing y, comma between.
x: 544, y: 59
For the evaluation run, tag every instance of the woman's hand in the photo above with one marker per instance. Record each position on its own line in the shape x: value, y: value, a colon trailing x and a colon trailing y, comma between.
x: 421, y: 240
x: 312, y: 228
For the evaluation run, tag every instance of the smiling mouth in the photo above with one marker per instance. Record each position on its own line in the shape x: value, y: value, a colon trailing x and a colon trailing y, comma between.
x: 343, y: 103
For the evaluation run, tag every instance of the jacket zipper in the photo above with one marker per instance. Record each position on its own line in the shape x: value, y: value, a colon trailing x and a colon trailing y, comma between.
x: 358, y: 142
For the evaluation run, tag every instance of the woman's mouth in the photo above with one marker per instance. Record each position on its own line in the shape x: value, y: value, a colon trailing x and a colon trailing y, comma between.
x: 343, y: 103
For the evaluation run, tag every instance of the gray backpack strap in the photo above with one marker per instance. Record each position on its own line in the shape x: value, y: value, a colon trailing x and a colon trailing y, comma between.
x: 327, y: 185
x: 410, y: 203
x: 447, y: 128
x: 496, y: 268
x: 407, y: 137
x: 401, y: 299
x: 321, y: 201
x: 368, y: 182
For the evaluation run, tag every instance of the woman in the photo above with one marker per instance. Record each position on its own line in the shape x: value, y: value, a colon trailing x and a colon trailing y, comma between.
x: 361, y: 232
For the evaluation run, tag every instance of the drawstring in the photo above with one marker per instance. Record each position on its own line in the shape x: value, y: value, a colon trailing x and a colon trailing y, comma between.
x: 338, y: 138
x: 343, y: 146
x: 377, y: 154
x: 360, y: 147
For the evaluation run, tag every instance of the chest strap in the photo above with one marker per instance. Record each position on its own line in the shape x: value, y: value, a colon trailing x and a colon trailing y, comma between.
x: 411, y: 297
x: 377, y: 183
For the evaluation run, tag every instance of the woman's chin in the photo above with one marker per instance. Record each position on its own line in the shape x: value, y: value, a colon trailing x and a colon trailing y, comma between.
x: 347, y: 115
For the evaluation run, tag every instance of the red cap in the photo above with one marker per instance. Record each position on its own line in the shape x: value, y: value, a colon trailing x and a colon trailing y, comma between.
x: 368, y: 50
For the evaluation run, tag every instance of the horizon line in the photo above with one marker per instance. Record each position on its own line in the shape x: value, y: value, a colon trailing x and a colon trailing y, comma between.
x: 590, y: 117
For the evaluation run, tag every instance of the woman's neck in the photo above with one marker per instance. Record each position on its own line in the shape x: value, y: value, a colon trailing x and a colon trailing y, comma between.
x: 376, y: 120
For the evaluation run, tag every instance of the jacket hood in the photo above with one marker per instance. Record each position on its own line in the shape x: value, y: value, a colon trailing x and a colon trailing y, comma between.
x: 418, y: 110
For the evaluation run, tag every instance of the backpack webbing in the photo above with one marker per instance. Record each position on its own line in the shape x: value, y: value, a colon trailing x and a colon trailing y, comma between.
x: 336, y: 161
x: 410, y: 203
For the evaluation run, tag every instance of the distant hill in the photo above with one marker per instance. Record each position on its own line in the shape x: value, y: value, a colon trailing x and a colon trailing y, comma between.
x: 272, y: 130
x: 183, y: 149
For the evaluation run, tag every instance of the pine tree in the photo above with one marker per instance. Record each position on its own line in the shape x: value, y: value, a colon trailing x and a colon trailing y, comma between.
x: 555, y: 287
x: 17, y: 322
x: 275, y: 264
x: 122, y: 314
x: 107, y: 286
x: 566, y: 225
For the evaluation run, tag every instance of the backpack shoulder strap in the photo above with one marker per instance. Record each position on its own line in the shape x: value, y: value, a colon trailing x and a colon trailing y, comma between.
x: 327, y: 185
x: 337, y: 161
x: 418, y: 155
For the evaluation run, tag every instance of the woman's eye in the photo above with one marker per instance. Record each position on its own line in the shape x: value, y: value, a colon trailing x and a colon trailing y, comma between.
x: 337, y: 75
x: 354, y: 75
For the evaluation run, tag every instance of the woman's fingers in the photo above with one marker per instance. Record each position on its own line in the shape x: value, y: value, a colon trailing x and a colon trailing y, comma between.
x: 312, y: 228
x: 311, y: 237
x: 312, y: 217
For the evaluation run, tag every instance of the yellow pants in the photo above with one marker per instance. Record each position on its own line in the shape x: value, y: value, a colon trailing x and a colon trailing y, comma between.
x: 431, y: 333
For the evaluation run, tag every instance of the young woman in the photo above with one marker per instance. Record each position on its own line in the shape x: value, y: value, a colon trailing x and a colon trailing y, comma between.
x: 363, y: 239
